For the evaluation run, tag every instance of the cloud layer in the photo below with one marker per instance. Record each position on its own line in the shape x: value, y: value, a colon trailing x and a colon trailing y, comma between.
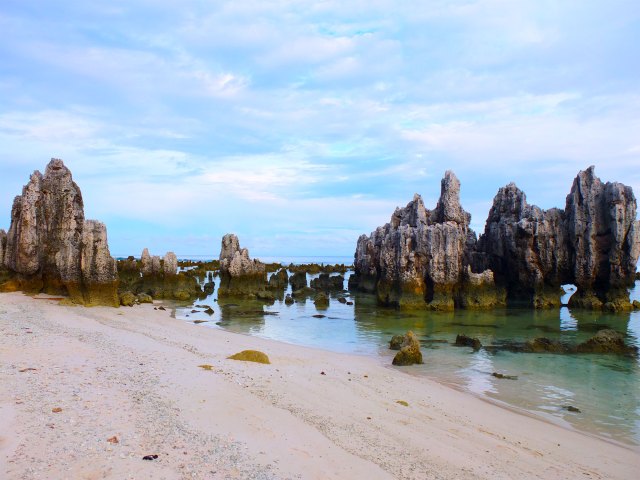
x: 301, y: 124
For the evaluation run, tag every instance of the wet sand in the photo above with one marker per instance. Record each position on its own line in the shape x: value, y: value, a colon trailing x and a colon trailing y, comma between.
x: 74, y: 378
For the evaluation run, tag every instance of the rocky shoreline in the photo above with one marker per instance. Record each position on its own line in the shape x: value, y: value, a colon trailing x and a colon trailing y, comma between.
x: 421, y: 259
x: 431, y: 259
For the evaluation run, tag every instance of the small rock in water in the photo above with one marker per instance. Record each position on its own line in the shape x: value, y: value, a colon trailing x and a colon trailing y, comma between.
x: 502, y: 375
x: 410, y: 353
x: 318, y: 316
x: 349, y: 303
x: 161, y: 308
x: 396, y: 342
x: 342, y: 300
x: 465, y: 341
x: 571, y: 408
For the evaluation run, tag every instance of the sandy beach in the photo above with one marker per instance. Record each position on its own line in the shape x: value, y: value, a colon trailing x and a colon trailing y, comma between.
x: 88, y: 392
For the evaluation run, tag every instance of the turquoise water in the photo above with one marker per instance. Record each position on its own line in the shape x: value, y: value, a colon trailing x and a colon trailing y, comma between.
x: 605, y: 388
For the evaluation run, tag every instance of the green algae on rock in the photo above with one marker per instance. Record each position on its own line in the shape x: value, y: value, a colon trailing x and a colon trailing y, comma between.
x: 251, y: 356
x: 409, y: 353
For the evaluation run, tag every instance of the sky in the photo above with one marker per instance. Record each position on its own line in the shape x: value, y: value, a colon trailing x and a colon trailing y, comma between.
x: 301, y: 124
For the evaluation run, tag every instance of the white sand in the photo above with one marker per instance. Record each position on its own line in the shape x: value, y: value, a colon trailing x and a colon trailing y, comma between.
x: 133, y: 373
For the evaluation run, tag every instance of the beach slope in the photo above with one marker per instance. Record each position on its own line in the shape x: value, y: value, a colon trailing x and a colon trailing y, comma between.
x: 86, y: 393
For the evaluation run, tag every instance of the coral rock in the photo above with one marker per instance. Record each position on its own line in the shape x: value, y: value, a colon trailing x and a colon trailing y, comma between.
x: 50, y: 247
x: 409, y: 353
x: 239, y: 274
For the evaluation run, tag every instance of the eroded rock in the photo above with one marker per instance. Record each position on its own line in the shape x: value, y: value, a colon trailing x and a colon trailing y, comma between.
x: 50, y: 246
x: 239, y: 274
x: 465, y: 341
x: 420, y: 258
x: 607, y: 341
x: 326, y: 282
x: 431, y: 259
x: 409, y: 353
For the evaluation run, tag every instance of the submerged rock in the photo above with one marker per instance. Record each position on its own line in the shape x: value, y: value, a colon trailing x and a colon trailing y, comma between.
x: 321, y: 301
x: 607, y: 341
x: 545, y: 345
x: 50, y: 246
x: 465, y: 341
x: 409, y: 353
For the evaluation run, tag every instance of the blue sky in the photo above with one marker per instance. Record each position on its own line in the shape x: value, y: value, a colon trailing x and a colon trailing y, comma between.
x: 300, y: 125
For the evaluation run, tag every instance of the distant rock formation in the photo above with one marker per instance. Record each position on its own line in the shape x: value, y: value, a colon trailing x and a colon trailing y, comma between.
x: 170, y: 264
x: 239, y: 274
x: 420, y: 258
x: 328, y: 283
x: 50, y: 246
x: 431, y: 259
x: 158, y: 278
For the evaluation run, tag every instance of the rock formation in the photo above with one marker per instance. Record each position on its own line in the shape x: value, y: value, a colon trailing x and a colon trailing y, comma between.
x: 170, y: 264
x: 420, y: 258
x: 3, y: 246
x: 431, y: 259
x: 157, y: 278
x: 239, y: 274
x: 51, y: 248
x: 298, y: 281
x: 525, y: 248
x: 327, y: 283
x: 593, y: 243
x: 409, y: 353
x: 4, y: 273
x: 603, y: 241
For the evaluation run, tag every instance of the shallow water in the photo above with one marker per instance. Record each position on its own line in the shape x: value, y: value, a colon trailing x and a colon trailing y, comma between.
x: 605, y: 388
